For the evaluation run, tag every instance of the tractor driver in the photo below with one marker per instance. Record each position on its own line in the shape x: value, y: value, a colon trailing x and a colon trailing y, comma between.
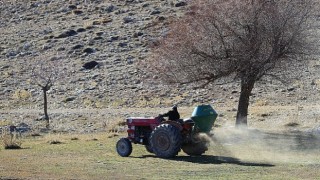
x: 172, y: 114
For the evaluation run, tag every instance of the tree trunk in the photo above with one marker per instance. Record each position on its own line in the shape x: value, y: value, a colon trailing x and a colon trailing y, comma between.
x: 243, y: 105
x: 45, y: 106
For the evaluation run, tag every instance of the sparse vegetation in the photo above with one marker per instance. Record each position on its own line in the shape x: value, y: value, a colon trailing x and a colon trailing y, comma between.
x: 11, y: 140
x: 21, y: 94
x: 292, y: 124
x: 74, y: 138
x: 4, y: 122
x: 117, y: 126
x: 55, y: 142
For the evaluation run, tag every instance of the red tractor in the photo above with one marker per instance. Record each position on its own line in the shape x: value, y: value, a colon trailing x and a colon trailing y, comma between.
x: 166, y: 138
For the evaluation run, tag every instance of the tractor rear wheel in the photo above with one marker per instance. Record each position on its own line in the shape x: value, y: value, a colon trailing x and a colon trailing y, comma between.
x: 165, y: 141
x: 149, y: 148
x: 124, y: 147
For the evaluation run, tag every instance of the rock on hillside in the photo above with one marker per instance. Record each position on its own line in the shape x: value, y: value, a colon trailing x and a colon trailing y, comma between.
x: 115, y: 34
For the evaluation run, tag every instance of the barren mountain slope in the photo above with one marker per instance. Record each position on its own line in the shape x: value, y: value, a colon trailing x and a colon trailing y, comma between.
x: 116, y: 34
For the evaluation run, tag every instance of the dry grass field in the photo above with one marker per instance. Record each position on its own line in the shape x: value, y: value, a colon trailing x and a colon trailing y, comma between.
x: 273, y: 152
x: 94, y: 157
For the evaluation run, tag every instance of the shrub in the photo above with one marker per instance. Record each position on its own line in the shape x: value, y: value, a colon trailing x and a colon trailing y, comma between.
x: 55, y: 142
x: 21, y: 94
x: 11, y: 140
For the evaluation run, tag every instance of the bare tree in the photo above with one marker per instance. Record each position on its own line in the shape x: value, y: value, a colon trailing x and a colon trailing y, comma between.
x: 45, y: 73
x: 241, y: 39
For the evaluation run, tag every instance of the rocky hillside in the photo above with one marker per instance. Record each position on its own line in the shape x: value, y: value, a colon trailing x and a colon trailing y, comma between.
x: 116, y: 34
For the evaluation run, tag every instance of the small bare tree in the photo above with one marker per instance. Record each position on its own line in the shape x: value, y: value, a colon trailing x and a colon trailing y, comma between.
x: 241, y: 39
x: 45, y: 73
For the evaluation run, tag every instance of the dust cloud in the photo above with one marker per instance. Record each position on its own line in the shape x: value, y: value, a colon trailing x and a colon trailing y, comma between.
x: 255, y: 145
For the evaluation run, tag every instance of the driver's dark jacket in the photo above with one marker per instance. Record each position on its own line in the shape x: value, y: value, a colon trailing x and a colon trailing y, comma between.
x: 172, y: 115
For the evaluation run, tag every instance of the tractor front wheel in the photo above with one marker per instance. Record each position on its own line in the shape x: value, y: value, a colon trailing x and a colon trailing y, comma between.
x: 124, y: 147
x: 165, y: 141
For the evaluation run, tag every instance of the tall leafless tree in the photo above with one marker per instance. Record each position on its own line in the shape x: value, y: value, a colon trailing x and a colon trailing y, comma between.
x: 242, y: 39
x: 45, y: 73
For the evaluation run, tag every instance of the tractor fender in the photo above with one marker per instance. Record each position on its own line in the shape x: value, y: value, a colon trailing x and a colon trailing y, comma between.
x: 173, y: 123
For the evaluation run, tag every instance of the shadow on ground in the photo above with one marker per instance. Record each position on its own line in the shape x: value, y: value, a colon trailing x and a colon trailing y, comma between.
x: 207, y: 159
